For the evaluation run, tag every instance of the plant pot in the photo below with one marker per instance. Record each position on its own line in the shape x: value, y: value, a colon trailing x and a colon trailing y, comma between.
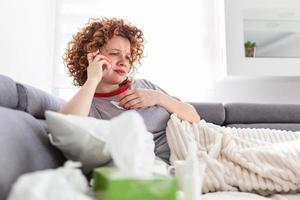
x: 249, y: 52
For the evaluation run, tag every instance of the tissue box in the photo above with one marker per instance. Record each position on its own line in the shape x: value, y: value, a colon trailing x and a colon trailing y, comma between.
x: 111, y: 184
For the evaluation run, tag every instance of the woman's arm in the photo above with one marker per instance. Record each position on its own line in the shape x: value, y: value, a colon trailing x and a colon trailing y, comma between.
x: 184, y: 111
x: 140, y: 98
x: 81, y: 103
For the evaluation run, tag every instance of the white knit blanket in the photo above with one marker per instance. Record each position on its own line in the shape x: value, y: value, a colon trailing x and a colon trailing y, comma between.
x: 263, y: 161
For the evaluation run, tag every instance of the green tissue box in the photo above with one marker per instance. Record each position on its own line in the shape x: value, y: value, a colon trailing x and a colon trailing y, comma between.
x: 110, y: 184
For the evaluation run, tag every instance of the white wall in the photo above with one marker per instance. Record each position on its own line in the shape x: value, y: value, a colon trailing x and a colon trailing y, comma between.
x: 26, y: 41
x: 257, y: 90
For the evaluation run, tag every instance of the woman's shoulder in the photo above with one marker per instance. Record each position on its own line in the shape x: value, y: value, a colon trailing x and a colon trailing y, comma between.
x: 143, y: 83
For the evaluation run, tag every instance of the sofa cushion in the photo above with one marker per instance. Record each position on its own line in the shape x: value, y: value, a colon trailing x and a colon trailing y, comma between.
x: 24, y: 147
x: 278, y: 126
x: 247, y: 113
x: 8, y: 91
x: 211, y: 112
x: 80, y: 138
x: 36, y: 101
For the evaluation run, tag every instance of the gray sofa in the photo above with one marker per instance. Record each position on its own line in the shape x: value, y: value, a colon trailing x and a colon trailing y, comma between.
x: 24, y: 145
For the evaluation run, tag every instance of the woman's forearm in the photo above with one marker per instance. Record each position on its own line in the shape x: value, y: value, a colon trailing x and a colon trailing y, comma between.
x: 184, y: 111
x: 80, y: 104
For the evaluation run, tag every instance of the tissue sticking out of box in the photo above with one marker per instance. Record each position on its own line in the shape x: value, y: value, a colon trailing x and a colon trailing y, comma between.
x: 131, y: 145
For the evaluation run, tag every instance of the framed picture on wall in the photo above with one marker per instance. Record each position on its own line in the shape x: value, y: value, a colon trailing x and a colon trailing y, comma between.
x: 263, y: 37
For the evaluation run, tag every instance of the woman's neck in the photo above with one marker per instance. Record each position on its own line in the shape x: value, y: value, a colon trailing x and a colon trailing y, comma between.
x: 106, y: 88
x: 111, y: 91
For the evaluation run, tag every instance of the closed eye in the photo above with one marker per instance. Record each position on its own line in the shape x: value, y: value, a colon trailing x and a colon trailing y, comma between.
x: 113, y: 54
x: 117, y: 54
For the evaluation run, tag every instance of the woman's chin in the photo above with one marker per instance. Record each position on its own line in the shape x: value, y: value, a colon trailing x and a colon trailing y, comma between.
x: 120, y: 79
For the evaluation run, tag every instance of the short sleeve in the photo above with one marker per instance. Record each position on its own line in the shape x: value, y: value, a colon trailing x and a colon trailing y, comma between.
x: 143, y: 83
x: 94, y: 112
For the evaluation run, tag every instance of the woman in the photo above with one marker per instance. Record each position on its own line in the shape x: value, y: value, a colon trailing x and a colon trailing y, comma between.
x: 100, y: 58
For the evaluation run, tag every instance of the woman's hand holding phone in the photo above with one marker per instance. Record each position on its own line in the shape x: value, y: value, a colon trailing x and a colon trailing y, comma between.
x: 98, y: 66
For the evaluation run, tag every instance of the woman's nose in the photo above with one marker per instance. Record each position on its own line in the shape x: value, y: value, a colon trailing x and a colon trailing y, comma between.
x: 123, y: 60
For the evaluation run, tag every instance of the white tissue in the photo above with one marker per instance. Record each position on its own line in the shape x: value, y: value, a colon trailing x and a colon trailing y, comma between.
x: 53, y: 184
x: 117, y: 105
x: 131, y: 145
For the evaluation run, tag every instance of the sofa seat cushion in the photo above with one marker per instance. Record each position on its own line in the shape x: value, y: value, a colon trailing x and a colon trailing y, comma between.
x: 232, y: 196
x: 8, y: 91
x: 278, y: 126
x: 24, y: 147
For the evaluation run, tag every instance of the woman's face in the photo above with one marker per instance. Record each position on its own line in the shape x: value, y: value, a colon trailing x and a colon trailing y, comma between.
x: 117, y: 50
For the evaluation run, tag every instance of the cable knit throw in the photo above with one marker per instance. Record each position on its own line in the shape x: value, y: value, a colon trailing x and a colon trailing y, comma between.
x: 265, y: 161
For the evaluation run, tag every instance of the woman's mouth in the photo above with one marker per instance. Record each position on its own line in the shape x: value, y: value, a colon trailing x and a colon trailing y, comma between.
x: 120, y: 71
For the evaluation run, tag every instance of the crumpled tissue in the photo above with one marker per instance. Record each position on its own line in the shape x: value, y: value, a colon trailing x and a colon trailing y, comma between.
x: 131, y: 145
x: 63, y: 183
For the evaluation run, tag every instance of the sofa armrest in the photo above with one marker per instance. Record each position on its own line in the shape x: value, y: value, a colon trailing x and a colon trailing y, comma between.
x: 24, y: 147
x: 8, y: 92
x: 36, y: 102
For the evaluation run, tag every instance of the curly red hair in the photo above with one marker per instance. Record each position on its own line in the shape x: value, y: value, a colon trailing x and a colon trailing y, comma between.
x: 94, y: 35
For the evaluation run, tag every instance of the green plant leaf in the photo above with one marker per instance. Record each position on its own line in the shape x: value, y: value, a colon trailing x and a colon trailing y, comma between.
x: 249, y: 44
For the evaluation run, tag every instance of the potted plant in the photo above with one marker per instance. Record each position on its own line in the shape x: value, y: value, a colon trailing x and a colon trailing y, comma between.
x: 250, y: 48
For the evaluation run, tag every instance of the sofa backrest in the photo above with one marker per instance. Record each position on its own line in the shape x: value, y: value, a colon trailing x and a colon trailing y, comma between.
x: 251, y: 115
x: 255, y: 115
x: 35, y: 102
x: 211, y: 112
x: 247, y: 113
